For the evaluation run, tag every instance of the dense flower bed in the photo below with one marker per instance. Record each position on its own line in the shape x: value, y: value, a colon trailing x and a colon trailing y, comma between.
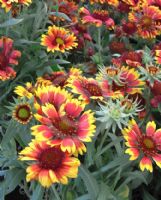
x: 80, y: 99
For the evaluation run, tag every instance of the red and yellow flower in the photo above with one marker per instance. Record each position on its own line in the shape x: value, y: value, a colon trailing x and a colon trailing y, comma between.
x: 58, y: 39
x: 9, y: 4
x: 110, y: 2
x: 148, y: 145
x: 63, y: 120
x: 49, y: 164
x: 59, y: 78
x: 69, y: 8
x: 147, y: 21
x: 97, y: 18
x: 8, y: 58
x: 129, y: 83
x: 136, y: 4
x: 27, y: 91
x: 87, y: 88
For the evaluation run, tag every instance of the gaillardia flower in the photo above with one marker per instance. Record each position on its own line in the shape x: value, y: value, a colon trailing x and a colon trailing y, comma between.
x: 69, y: 8
x: 97, y: 18
x: 63, y: 120
x: 22, y: 113
x: 147, y: 145
x: 128, y: 82
x: 59, y: 78
x: 110, y: 2
x: 9, y: 4
x: 8, y: 58
x: 27, y: 91
x: 58, y: 39
x: 49, y: 164
x: 147, y: 21
x: 87, y: 88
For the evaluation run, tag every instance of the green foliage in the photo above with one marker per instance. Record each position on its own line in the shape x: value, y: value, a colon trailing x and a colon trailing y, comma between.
x: 105, y: 172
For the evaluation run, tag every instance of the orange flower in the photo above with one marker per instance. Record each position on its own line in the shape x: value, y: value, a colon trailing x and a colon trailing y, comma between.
x: 63, y: 120
x: 8, y: 57
x: 97, y: 18
x: 58, y: 39
x: 148, y: 145
x: 147, y: 21
x: 49, y: 164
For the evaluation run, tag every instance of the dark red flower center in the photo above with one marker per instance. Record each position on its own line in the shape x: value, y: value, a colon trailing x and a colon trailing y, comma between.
x: 100, y: 15
x: 93, y: 89
x: 51, y: 158
x: 146, y: 22
x: 57, y: 79
x: 147, y: 145
x: 23, y: 112
x: 66, y: 126
x: 121, y: 87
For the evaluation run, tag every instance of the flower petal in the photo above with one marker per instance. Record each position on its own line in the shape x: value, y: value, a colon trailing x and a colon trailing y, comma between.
x: 146, y: 163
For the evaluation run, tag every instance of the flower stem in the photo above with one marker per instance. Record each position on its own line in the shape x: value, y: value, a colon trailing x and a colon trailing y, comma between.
x: 99, y: 45
x: 55, y: 192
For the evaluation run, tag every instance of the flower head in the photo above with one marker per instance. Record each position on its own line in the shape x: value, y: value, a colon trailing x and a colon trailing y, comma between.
x: 126, y: 82
x: 9, y: 4
x: 27, y: 91
x: 130, y: 58
x: 110, y: 2
x: 147, y: 145
x: 147, y: 21
x: 97, y: 18
x: 49, y: 164
x: 59, y: 78
x: 116, y: 113
x: 22, y: 113
x: 58, y: 39
x: 8, y: 58
x: 88, y: 88
x: 69, y: 8
x: 63, y: 120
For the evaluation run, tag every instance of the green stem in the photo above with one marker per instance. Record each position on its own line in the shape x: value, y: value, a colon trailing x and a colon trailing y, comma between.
x: 25, y: 188
x: 99, y: 45
x: 55, y: 192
